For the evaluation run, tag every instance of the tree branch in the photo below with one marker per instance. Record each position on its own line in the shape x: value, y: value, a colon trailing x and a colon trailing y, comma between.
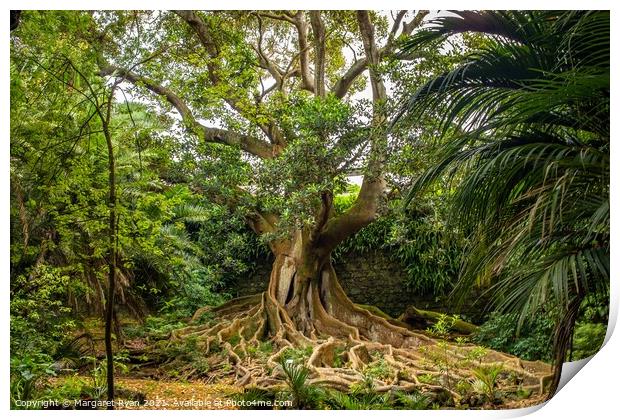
x: 276, y: 16
x: 397, y: 20
x: 343, y: 85
x: 301, y: 25
x: 202, y: 30
x: 264, y: 60
x: 262, y: 223
x: 252, y: 145
x: 304, y: 59
x: 366, y: 206
x: 318, y: 29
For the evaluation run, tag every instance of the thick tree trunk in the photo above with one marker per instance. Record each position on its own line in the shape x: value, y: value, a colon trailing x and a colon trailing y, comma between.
x: 304, y: 283
x: 296, y: 284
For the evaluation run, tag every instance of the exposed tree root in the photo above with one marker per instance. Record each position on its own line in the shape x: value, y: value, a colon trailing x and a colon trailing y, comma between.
x: 422, y: 319
x: 349, y: 345
x: 306, y: 317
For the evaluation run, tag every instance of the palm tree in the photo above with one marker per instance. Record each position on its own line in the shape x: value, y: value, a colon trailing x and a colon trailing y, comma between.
x: 525, y: 133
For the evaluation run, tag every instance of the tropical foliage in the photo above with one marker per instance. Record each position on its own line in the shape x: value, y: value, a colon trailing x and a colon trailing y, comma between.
x: 526, y: 122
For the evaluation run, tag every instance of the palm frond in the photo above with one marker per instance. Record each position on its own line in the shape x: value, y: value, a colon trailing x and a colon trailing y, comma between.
x: 525, y: 132
x: 519, y: 27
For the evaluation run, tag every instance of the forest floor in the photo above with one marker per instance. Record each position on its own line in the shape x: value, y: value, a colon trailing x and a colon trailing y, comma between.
x: 157, y: 394
x: 180, y: 395
x: 150, y: 394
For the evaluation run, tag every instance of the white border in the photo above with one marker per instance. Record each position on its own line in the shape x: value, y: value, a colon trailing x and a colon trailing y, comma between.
x: 592, y: 394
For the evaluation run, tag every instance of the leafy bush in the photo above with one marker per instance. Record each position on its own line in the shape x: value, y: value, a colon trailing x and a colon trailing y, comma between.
x: 591, y: 326
x: 71, y: 388
x: 595, y: 308
x: 29, y: 372
x: 588, y: 339
x: 415, y: 401
x: 40, y: 317
x: 368, y: 400
x: 533, y: 341
x: 156, y: 327
x: 93, y: 388
x: 421, y: 242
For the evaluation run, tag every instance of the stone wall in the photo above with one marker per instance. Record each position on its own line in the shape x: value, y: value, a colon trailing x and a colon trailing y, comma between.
x: 371, y: 279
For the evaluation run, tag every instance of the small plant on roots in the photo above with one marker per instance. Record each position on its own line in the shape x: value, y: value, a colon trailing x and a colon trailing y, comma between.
x: 462, y: 340
x: 427, y: 378
x: 442, y: 361
x: 261, y: 351
x: 486, y: 380
x: 463, y: 387
x: 226, y: 367
x: 415, y: 401
x: 303, y: 395
x: 523, y: 393
x: 298, y: 356
x: 379, y: 369
x: 339, y: 360
x: 476, y: 354
x: 444, y: 324
x: 234, y: 339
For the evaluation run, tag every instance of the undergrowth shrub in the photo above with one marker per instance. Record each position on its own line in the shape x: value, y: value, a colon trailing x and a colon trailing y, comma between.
x: 533, y: 341
x: 420, y: 241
